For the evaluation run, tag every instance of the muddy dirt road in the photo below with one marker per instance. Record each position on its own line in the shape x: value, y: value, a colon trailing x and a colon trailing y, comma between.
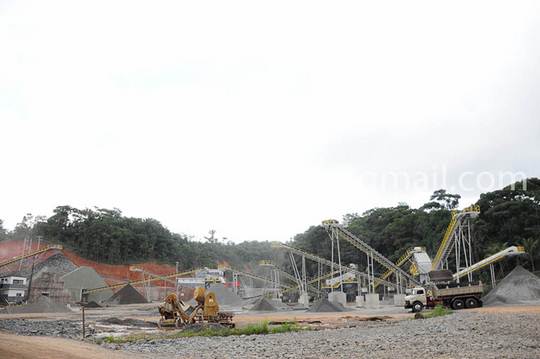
x: 23, y: 347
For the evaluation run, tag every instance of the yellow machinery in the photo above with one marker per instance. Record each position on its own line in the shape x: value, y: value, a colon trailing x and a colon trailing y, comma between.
x: 175, y: 312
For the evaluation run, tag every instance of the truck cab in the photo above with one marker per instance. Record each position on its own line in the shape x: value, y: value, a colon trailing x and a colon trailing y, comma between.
x: 416, y: 299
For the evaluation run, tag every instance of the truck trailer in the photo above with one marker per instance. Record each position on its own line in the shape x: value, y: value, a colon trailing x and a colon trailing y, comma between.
x: 452, y: 297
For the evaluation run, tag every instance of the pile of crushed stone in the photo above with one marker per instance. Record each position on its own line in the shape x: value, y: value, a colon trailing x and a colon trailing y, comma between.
x: 225, y: 296
x: 324, y: 305
x: 518, y: 287
x: 42, y: 305
x: 57, y: 264
x: 92, y: 304
x: 127, y: 295
x: 263, y: 305
x: 51, y: 328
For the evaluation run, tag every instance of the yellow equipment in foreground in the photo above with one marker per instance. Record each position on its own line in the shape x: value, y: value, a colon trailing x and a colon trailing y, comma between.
x: 175, y: 312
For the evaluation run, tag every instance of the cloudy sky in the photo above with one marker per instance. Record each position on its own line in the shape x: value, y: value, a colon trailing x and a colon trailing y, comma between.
x: 258, y: 118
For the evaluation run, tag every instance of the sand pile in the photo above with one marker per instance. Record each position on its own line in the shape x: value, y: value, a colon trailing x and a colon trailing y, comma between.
x: 127, y: 295
x: 263, y: 305
x: 324, y: 305
x: 42, y: 305
x: 225, y: 296
x: 517, y: 287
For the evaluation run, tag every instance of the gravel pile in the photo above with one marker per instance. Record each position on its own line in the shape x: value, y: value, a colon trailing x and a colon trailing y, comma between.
x: 56, y: 328
x: 127, y: 295
x: 324, y: 305
x: 57, y: 264
x: 460, y: 335
x: 42, y: 305
x: 517, y: 287
x: 225, y: 296
x: 92, y: 304
x: 263, y: 305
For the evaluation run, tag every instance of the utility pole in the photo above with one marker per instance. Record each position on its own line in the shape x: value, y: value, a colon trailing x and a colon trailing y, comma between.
x: 176, y: 279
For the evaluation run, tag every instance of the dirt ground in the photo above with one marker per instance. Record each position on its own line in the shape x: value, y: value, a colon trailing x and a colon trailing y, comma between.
x: 23, y: 347
x: 15, y: 346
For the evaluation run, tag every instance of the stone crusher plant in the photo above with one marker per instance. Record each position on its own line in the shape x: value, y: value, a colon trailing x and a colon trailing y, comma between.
x: 175, y: 312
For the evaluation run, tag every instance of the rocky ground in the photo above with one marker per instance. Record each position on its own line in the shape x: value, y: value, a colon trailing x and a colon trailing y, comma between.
x: 54, y: 328
x: 464, y: 334
x: 459, y: 335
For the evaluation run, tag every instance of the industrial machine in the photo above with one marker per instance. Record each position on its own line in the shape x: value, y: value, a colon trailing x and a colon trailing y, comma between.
x: 175, y: 312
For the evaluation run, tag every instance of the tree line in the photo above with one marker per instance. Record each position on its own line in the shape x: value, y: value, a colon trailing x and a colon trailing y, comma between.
x: 509, y: 216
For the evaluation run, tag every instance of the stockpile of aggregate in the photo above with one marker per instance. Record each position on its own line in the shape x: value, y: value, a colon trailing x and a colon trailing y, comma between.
x: 263, y: 305
x: 127, y: 295
x: 42, y: 305
x: 324, y: 305
x: 92, y: 304
x: 225, y: 296
x: 51, y: 328
x: 518, y: 287
x: 57, y: 264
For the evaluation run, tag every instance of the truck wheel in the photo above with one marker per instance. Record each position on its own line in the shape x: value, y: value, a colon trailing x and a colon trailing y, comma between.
x: 458, y: 304
x: 471, y: 303
x: 417, y: 307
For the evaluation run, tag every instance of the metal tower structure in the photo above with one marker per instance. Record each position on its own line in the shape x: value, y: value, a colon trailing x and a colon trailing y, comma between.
x: 329, y: 263
x: 457, y: 238
x: 334, y: 228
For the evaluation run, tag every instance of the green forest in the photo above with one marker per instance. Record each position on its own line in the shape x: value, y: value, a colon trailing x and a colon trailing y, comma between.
x: 509, y: 216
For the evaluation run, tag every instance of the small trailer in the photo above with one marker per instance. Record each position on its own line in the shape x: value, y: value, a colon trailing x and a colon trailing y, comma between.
x: 452, y: 297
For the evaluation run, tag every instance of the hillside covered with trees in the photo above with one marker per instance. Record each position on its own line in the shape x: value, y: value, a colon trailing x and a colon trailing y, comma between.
x: 508, y: 217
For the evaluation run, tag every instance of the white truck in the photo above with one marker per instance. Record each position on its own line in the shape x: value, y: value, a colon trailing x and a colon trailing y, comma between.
x: 455, y: 298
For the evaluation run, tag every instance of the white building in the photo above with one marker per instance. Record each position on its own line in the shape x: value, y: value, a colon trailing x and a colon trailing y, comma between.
x: 202, y: 277
x: 13, y: 289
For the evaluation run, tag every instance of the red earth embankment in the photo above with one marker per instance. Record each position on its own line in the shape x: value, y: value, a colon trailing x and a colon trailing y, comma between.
x: 110, y: 272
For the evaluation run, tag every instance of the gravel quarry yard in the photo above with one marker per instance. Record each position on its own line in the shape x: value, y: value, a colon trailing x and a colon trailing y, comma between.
x: 491, y: 332
x: 459, y: 335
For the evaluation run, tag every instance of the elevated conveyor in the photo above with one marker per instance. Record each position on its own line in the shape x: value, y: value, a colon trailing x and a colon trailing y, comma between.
x: 333, y: 225
x: 137, y: 282
x: 459, y: 218
x: 510, y: 251
x: 313, y: 257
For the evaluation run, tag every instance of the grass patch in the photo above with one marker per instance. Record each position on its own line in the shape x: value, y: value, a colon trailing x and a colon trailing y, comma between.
x: 251, y: 329
x: 438, y: 311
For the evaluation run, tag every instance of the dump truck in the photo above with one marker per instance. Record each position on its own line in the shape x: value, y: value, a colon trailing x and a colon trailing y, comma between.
x: 452, y: 297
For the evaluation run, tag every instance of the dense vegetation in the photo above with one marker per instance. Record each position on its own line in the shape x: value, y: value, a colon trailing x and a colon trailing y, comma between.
x: 508, y: 216
x: 107, y: 236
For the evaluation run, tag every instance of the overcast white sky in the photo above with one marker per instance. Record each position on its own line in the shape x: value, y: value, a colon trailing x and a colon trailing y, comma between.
x: 257, y: 118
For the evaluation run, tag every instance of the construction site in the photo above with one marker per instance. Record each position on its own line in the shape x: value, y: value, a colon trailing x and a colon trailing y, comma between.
x: 56, y: 301
x: 269, y: 179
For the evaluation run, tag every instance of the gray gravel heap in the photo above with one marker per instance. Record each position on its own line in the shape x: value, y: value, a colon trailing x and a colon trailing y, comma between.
x: 225, y: 296
x: 42, y: 305
x: 263, y: 305
x: 56, y: 328
x: 460, y: 335
x: 518, y: 286
x: 324, y: 305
